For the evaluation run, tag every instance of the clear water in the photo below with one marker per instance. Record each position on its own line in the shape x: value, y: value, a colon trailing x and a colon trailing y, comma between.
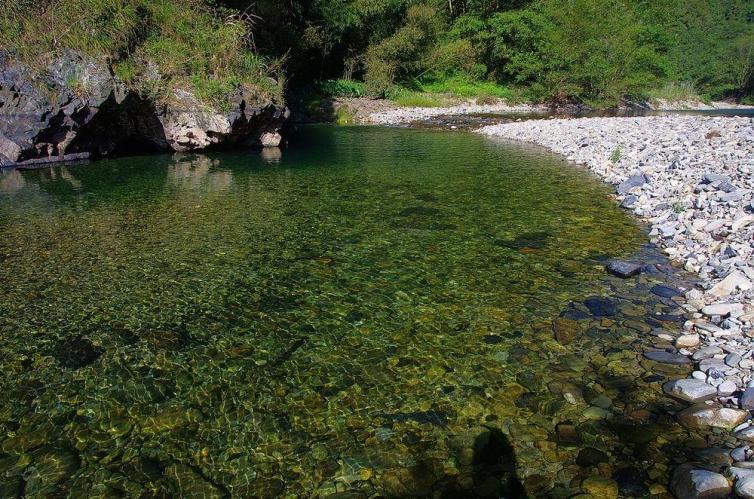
x: 374, y: 312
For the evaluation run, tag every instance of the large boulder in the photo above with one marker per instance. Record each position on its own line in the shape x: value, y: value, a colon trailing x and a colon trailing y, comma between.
x: 41, y: 116
x: 191, y: 125
x: 77, y: 108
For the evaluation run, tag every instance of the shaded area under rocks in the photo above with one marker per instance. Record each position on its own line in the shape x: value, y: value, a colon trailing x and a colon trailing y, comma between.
x: 76, y: 109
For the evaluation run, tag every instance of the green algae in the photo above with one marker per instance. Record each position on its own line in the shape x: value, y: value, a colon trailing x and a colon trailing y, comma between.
x: 376, y: 311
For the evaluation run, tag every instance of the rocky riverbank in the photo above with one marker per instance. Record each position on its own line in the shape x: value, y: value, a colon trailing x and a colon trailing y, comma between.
x: 411, y: 114
x: 76, y: 108
x: 692, y: 179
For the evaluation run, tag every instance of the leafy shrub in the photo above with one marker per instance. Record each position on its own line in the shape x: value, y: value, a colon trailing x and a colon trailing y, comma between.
x: 401, y: 55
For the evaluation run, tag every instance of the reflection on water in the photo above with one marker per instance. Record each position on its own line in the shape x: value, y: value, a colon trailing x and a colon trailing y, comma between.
x: 194, y: 171
x: 272, y: 154
x: 392, y: 312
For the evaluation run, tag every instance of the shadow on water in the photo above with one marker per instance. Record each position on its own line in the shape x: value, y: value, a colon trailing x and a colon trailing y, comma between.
x: 493, y: 470
x: 488, y: 470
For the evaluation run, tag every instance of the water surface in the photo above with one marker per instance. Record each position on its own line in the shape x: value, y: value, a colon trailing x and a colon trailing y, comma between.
x: 401, y: 312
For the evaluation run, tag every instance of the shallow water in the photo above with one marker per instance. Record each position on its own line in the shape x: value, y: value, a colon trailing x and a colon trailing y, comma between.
x: 374, y: 311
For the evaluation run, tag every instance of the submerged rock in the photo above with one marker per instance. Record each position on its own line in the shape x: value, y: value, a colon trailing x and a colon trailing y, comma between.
x: 589, y: 456
x: 599, y: 486
x: 665, y: 291
x: 566, y: 330
x: 667, y: 358
x: 624, y: 269
x: 48, y: 468
x: 190, y: 484
x: 600, y: 307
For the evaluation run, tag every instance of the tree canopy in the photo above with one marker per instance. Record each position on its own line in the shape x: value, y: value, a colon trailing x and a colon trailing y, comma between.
x: 581, y: 50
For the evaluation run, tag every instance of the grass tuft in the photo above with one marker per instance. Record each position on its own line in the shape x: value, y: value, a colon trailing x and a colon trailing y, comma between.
x: 616, y: 155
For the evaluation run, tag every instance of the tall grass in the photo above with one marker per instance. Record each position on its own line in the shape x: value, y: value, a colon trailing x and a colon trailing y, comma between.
x: 675, y: 92
x: 189, y: 43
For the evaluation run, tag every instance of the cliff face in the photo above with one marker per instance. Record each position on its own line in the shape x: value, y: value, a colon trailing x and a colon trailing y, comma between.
x: 77, y: 109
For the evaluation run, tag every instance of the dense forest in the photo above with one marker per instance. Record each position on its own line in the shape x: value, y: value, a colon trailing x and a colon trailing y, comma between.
x: 598, y: 52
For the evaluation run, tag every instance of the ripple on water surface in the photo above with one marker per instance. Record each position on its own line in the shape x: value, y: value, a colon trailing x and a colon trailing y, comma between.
x: 404, y: 312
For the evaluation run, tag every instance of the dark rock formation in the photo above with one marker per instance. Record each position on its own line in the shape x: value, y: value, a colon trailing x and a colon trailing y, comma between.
x: 77, y: 109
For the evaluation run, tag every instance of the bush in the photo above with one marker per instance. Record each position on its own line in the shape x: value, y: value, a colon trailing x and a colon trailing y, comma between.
x: 401, y: 55
x: 592, y: 51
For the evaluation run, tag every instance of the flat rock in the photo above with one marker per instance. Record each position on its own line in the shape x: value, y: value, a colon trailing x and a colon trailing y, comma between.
x: 690, y: 390
x: 722, y: 309
x: 712, y: 363
x: 736, y: 280
x: 687, y: 340
x: 747, y: 434
x: 701, y: 416
x: 624, y: 269
x: 733, y: 359
x: 665, y: 291
x: 726, y: 388
x: 706, y: 352
x: 690, y: 483
x: 667, y: 358
x: 710, y: 178
x: 631, y: 183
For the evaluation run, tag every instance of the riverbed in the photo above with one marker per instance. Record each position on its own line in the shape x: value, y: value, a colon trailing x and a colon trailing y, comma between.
x: 376, y: 311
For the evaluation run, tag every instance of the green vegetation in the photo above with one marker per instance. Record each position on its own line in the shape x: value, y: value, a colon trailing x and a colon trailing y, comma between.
x: 408, y: 98
x: 616, y: 155
x: 153, y: 45
x: 676, y: 92
x: 341, y: 88
x: 464, y: 87
x: 344, y: 116
x: 597, y: 52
